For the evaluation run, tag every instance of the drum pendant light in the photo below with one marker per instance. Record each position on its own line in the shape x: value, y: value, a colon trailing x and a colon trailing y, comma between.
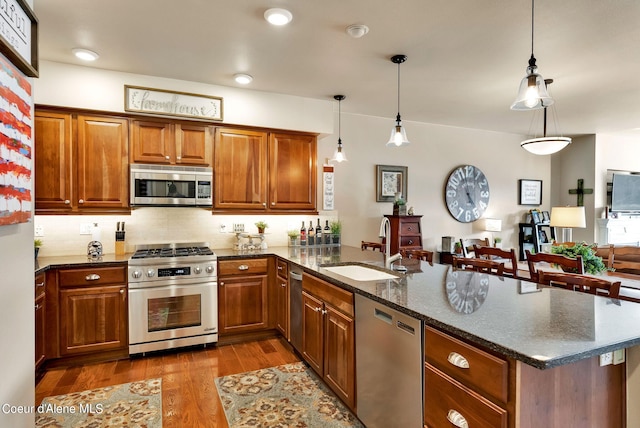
x: 339, y: 155
x: 398, y: 134
x: 532, y: 93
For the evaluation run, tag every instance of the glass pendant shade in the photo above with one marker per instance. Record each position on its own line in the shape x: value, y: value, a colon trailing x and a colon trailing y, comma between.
x: 398, y: 137
x: 545, y: 145
x: 338, y: 155
x: 532, y: 93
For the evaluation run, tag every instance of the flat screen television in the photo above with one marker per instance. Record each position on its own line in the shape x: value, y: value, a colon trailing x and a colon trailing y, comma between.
x: 625, y: 193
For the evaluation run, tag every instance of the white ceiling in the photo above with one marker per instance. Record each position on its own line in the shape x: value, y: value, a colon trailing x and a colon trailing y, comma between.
x: 465, y: 58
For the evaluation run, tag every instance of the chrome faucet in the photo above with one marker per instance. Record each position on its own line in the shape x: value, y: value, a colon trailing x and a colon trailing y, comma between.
x: 385, y: 232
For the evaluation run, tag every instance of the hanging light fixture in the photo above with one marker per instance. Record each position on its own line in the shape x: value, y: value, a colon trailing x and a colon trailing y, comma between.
x: 398, y: 134
x: 533, y: 91
x: 338, y: 155
x: 545, y: 145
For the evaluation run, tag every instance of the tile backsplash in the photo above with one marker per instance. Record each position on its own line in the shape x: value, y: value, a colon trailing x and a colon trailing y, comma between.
x: 159, y: 225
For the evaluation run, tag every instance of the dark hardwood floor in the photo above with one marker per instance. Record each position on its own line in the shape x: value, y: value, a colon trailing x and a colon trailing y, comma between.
x: 189, y: 396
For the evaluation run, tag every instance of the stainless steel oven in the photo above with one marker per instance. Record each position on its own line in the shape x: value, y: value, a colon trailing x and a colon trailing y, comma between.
x: 173, y: 297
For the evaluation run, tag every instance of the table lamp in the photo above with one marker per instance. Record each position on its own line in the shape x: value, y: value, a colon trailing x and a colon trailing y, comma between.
x: 493, y: 225
x: 566, y: 218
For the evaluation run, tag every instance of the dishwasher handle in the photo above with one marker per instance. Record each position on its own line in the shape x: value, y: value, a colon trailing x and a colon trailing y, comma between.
x: 295, y: 276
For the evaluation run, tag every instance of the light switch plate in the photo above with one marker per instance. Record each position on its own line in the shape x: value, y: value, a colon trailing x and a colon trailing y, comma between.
x: 618, y: 356
x: 86, y: 228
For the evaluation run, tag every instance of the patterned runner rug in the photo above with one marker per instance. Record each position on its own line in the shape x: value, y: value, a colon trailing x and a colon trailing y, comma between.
x: 285, y: 396
x: 136, y: 404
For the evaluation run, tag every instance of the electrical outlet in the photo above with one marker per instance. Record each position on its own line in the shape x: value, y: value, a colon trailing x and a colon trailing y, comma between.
x: 618, y: 356
x: 606, y: 359
x: 38, y: 231
x: 86, y: 228
x: 223, y: 228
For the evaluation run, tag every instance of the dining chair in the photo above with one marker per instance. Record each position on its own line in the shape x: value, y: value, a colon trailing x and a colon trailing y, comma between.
x: 567, y: 264
x: 467, y: 245
x: 364, y: 245
x: 493, y: 253
x: 624, y: 259
x: 425, y: 255
x: 479, y: 265
x: 583, y: 283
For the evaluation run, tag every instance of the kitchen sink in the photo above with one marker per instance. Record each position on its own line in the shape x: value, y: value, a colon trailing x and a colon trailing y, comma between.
x: 360, y: 273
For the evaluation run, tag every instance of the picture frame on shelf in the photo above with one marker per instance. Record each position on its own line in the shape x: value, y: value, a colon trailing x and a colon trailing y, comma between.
x: 536, y: 217
x: 530, y: 192
x: 543, y: 237
x: 546, y: 218
x: 391, y: 179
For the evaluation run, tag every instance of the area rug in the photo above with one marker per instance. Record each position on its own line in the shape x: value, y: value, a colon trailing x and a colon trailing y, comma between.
x: 136, y: 404
x: 285, y: 396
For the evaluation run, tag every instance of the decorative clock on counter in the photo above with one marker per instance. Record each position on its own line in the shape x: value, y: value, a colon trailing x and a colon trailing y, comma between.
x: 467, y: 193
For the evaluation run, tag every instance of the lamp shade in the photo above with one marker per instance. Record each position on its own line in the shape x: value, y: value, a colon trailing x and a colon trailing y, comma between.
x: 492, y: 225
x: 545, y: 145
x: 568, y: 217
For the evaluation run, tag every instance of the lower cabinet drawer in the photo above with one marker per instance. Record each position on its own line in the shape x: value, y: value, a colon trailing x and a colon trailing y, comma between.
x: 448, y: 403
x: 242, y: 267
x: 94, y: 276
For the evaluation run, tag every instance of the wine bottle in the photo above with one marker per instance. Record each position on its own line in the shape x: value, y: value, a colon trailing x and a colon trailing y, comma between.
x: 303, y: 235
x: 311, y: 238
x: 327, y: 233
x: 318, y: 234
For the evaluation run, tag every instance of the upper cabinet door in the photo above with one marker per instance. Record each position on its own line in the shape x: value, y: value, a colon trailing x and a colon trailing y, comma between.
x: 240, y: 171
x: 193, y: 144
x: 152, y: 142
x: 53, y: 161
x: 292, y: 172
x: 103, y: 167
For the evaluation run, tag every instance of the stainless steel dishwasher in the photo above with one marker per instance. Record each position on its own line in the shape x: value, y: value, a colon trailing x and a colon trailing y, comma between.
x: 389, y: 366
x: 295, y: 306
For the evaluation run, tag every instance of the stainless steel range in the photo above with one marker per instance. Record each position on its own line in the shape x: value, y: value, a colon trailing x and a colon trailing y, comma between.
x: 173, y: 296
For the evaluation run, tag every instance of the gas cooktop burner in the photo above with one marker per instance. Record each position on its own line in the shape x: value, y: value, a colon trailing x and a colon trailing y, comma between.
x: 172, y: 250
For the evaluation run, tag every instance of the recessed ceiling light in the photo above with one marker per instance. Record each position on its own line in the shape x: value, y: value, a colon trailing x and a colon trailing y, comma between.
x: 243, y: 79
x: 278, y: 16
x: 85, y: 54
x: 357, y: 30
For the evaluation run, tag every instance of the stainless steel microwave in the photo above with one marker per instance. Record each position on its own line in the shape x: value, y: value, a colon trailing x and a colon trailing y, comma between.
x: 168, y: 186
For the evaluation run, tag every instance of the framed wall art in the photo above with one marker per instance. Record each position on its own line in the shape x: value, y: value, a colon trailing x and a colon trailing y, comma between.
x: 19, y: 36
x: 530, y: 192
x: 390, y: 180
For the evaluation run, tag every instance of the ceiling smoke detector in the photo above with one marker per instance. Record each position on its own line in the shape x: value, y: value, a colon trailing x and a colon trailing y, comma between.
x: 357, y: 30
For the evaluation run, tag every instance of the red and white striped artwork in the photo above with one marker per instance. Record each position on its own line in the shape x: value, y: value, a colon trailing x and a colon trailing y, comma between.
x: 15, y: 145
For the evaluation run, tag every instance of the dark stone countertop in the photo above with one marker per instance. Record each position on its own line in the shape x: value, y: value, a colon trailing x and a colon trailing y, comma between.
x: 545, y: 328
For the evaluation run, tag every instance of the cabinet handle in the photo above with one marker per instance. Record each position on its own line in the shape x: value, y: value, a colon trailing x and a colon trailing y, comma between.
x: 122, y: 291
x: 41, y: 284
x: 409, y: 228
x: 243, y: 267
x: 273, y: 203
x: 37, y: 307
x: 81, y: 201
x: 92, y: 277
x: 410, y: 241
x: 317, y: 309
x: 264, y: 204
x: 458, y: 360
x: 279, y: 267
x: 283, y: 285
x: 324, y: 312
x: 179, y: 157
x: 457, y: 419
x: 67, y: 201
x: 167, y: 157
x: 221, y: 284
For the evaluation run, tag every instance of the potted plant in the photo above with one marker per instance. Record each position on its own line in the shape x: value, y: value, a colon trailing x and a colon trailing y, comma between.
x: 457, y: 248
x: 293, y: 237
x: 592, y: 264
x: 497, y: 242
x: 261, y: 225
x: 37, y: 243
x: 336, y: 229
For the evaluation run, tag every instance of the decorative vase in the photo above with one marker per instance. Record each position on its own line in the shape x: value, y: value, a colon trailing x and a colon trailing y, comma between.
x: 37, y: 249
x: 399, y: 209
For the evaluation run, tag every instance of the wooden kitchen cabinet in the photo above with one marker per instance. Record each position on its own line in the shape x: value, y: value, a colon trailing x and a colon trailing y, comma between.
x: 257, y: 171
x: 282, y: 297
x: 242, y: 296
x: 171, y: 142
x: 40, y: 322
x: 328, y: 335
x: 92, y: 310
x: 81, y: 163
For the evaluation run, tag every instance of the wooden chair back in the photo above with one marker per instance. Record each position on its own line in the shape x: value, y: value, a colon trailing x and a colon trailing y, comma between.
x: 479, y: 265
x: 425, y: 255
x: 567, y: 264
x: 467, y: 245
x: 583, y: 283
x: 364, y: 245
x: 491, y: 253
x: 624, y: 259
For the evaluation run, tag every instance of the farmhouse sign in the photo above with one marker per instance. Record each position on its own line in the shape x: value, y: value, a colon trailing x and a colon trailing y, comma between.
x: 171, y: 103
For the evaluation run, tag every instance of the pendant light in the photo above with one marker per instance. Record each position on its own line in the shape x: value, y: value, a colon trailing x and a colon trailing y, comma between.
x: 398, y: 134
x: 338, y: 155
x: 533, y: 91
x: 546, y: 145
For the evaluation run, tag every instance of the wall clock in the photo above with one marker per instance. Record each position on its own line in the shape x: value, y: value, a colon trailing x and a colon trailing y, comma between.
x: 467, y: 193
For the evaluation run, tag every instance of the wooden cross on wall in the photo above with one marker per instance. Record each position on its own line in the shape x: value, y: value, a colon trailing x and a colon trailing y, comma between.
x: 580, y: 191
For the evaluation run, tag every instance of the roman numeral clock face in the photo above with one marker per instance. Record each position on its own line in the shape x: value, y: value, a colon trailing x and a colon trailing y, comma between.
x: 467, y: 193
